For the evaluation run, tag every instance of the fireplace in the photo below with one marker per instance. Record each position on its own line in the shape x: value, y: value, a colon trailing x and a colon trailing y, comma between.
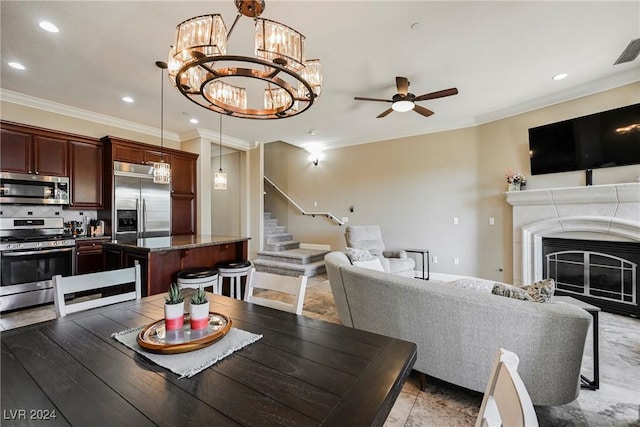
x: 600, y: 213
x: 601, y: 273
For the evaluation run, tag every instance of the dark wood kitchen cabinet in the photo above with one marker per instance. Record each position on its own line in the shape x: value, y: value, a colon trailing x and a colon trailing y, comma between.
x: 132, y: 152
x: 86, y: 160
x: 89, y: 256
x: 183, y: 194
x: 33, y: 151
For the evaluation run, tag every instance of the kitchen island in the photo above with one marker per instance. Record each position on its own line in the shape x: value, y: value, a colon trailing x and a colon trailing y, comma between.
x: 161, y: 258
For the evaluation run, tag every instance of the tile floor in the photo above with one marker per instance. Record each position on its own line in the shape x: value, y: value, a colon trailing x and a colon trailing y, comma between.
x: 616, y: 403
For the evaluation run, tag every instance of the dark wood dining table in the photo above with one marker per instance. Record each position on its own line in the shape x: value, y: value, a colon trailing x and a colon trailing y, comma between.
x: 303, y: 372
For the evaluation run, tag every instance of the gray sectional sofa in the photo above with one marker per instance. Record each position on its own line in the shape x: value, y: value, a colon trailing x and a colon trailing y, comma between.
x: 458, y: 331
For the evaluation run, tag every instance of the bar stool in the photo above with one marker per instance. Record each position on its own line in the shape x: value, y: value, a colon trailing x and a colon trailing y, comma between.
x: 197, y: 277
x: 234, y: 270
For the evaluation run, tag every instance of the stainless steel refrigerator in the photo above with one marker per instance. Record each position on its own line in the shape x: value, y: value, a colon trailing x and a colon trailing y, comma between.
x: 141, y: 207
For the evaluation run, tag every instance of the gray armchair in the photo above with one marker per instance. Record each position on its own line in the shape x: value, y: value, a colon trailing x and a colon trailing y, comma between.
x: 369, y: 237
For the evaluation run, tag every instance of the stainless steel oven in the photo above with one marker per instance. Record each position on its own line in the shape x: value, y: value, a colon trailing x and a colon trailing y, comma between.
x: 32, y: 251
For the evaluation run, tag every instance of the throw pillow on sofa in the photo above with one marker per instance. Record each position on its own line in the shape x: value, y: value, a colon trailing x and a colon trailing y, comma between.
x: 473, y: 283
x: 358, y: 255
x: 541, y: 291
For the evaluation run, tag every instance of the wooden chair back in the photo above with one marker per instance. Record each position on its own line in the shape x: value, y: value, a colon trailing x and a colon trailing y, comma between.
x: 506, y: 401
x: 295, y: 286
x: 87, y: 282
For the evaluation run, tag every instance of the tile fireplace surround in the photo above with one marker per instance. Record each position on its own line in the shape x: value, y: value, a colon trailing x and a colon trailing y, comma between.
x: 602, y: 212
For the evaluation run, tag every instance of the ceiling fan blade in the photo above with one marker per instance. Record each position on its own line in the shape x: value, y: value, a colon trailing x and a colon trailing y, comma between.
x: 359, y: 98
x: 384, y: 113
x: 438, y: 94
x: 421, y: 110
x: 403, y: 85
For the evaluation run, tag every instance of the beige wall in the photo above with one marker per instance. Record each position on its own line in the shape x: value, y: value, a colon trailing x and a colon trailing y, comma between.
x: 414, y: 187
x: 226, y: 204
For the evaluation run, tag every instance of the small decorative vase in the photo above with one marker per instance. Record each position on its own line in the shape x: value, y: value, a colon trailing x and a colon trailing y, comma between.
x: 173, y: 316
x: 199, y: 316
x: 514, y: 186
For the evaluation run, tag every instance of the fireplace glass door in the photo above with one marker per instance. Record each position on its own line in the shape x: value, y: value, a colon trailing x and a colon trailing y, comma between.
x: 602, y: 273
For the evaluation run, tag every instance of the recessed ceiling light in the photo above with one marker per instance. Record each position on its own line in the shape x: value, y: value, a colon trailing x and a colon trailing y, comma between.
x: 48, y: 26
x: 560, y: 76
x: 194, y: 121
x: 127, y: 99
x: 17, y: 65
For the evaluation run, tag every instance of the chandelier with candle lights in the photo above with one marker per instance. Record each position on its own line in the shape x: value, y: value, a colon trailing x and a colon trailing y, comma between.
x: 277, y: 82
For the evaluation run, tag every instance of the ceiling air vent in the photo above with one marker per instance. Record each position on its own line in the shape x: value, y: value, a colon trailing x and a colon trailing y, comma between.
x: 630, y: 52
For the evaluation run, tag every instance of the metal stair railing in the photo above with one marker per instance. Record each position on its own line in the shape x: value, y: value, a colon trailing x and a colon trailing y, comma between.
x: 297, y: 206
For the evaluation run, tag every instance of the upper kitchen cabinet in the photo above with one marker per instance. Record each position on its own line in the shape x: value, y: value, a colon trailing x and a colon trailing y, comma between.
x: 183, y: 173
x: 33, y: 151
x: 183, y: 193
x: 86, y: 174
x: 133, y: 152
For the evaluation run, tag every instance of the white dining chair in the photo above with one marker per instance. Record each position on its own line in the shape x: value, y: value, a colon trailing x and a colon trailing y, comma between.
x: 94, y: 281
x: 506, y: 401
x: 293, y: 286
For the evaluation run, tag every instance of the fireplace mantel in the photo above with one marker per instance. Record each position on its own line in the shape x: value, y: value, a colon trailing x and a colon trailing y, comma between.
x: 601, y: 212
x: 613, y: 193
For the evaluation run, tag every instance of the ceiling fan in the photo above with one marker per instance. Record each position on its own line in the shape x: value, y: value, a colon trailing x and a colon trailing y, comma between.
x: 405, y: 101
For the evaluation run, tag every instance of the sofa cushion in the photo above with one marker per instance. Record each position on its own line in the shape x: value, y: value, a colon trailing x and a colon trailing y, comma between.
x: 372, y: 264
x: 541, y: 291
x: 358, y: 255
x: 473, y: 283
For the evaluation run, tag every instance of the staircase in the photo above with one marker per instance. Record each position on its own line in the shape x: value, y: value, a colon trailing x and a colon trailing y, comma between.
x: 283, y: 255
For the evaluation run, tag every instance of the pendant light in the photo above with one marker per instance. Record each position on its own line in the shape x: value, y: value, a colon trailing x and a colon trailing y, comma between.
x: 161, y: 170
x: 220, y: 178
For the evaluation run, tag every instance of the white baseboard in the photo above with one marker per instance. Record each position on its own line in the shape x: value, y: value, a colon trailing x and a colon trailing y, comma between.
x: 315, y: 246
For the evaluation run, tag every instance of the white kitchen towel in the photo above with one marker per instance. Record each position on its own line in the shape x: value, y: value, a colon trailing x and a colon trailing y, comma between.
x: 190, y: 363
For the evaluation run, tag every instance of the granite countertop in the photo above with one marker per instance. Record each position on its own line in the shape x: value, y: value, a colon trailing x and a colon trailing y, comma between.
x: 159, y: 244
x: 89, y: 238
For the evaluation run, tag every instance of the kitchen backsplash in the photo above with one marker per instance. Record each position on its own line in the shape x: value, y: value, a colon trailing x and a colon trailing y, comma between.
x: 44, y: 211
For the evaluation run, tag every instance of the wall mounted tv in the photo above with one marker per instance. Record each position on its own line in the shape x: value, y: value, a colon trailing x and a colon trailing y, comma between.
x: 600, y: 140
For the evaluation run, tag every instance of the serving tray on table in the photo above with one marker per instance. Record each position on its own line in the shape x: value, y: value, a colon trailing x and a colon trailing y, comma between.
x: 155, y: 338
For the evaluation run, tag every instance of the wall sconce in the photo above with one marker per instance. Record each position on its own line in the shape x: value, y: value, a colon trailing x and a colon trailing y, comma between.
x: 315, y: 157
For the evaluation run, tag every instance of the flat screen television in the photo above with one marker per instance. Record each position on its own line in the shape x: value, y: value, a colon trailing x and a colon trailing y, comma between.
x: 600, y: 140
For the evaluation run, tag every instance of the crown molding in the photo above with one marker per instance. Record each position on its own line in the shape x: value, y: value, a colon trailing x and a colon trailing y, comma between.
x: 77, y: 113
x: 228, y: 141
x: 621, y: 79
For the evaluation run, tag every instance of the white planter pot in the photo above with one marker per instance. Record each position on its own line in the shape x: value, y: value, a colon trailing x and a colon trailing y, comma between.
x: 174, y: 316
x: 199, y: 316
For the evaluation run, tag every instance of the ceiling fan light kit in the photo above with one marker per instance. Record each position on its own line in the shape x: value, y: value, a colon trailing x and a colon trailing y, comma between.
x: 404, y: 101
x: 202, y: 70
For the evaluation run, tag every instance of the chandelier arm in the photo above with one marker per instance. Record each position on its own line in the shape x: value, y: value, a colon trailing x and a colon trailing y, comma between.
x: 235, y: 21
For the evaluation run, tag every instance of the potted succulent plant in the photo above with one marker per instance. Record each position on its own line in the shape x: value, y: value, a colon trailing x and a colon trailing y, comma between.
x: 199, y: 310
x: 174, y: 308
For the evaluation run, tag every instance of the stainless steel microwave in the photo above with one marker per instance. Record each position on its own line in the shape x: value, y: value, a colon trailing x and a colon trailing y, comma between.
x: 20, y: 188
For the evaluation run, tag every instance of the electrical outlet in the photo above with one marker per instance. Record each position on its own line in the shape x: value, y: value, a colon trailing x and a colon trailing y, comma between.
x: 456, y: 261
x: 315, y: 204
x: 492, y: 221
x: 434, y: 259
x: 345, y: 219
x: 455, y: 220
